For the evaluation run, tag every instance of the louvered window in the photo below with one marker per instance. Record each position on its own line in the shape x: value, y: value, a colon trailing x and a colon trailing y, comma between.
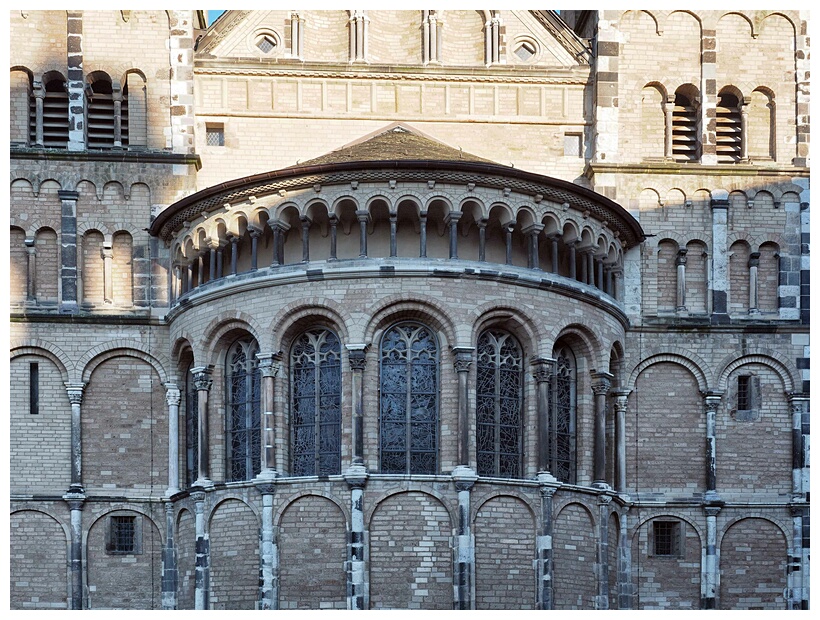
x: 684, y: 129
x: 100, y: 119
x: 55, y: 116
x: 729, y: 136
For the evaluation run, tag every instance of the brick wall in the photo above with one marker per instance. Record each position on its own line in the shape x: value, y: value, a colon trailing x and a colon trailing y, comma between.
x: 573, y: 544
x: 410, y: 555
x: 326, y: 36
x: 753, y: 556
x: 312, y: 553
x: 234, y: 534
x: 124, y: 581
x: 37, y: 554
x: 45, y: 245
x: 666, y: 582
x: 125, y: 439
x: 462, y: 39
x: 665, y: 430
x: 18, y: 257
x: 395, y: 37
x: 504, y: 550
x: 91, y: 267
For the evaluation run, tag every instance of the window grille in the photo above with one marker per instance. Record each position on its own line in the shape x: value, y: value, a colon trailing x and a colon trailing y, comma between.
x: 266, y: 43
x: 729, y: 136
x: 34, y: 388
x: 572, y: 145
x: 316, y: 409
x: 123, y: 539
x: 743, y: 396
x: 684, y: 129
x: 562, y: 427
x: 526, y: 50
x: 667, y: 538
x: 215, y: 135
x: 498, y: 405
x: 191, y: 430
x: 244, y: 437
x: 408, y: 403
x: 55, y: 116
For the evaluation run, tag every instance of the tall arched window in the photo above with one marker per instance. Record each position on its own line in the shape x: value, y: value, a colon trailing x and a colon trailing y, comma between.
x: 498, y: 405
x: 243, y: 382
x: 562, y: 422
x: 408, y: 404
x: 191, y: 428
x: 316, y: 404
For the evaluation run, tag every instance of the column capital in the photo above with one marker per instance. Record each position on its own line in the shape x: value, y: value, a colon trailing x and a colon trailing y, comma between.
x: 532, y: 228
x: 66, y: 194
x: 463, y: 358
x: 269, y: 363
x: 202, y: 377
x: 604, y: 499
x: 255, y: 233
x: 357, y: 355
x: 199, y: 500
x: 172, y: 393
x: 29, y: 241
x: 601, y: 381
x: 268, y: 487
x: 680, y: 259
x: 542, y: 368
x: 75, y: 500
x: 711, y: 511
x: 363, y: 215
x: 75, y: 391
x: 754, y: 259
x: 452, y: 216
x: 464, y: 478
x: 547, y: 483
x: 711, y: 400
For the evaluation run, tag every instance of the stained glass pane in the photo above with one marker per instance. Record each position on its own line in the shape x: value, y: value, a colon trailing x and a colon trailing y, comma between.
x: 563, y: 456
x: 316, y: 388
x: 409, y: 400
x: 499, y: 376
x: 244, y: 383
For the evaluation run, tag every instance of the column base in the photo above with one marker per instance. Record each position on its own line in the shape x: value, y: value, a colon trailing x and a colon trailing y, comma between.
x: 204, y: 483
x: 266, y: 475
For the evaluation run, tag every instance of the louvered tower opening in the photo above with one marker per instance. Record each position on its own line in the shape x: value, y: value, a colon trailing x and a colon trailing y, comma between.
x: 100, y: 118
x: 55, y: 116
x: 729, y: 135
x: 124, y: 117
x: 684, y: 129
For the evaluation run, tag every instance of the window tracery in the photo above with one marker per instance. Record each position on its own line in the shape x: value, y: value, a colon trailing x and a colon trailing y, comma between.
x: 243, y: 414
x: 316, y: 411
x: 409, y: 400
x: 498, y: 405
x: 191, y: 428
x: 562, y: 424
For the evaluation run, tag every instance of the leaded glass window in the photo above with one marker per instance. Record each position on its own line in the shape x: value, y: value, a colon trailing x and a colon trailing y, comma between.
x: 191, y: 429
x: 243, y: 379
x: 498, y: 405
x: 562, y: 424
x: 408, y: 401
x: 316, y: 404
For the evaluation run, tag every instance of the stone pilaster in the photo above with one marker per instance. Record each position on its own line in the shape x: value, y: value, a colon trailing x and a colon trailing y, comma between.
x: 708, y: 90
x: 464, y: 478
x: 269, y: 560
x: 75, y: 501
x: 181, y: 53
x: 710, y: 571
x: 202, y: 570
x: 602, y: 552
x: 711, y: 402
x: 798, y: 568
x: 624, y: 565
x: 75, y: 82
x: 358, y: 587
x: 621, y: 407
x: 720, y: 257
x: 547, y: 485
x: 68, y: 251
x: 170, y: 575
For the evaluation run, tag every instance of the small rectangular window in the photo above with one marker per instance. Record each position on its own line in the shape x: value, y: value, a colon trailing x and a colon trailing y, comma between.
x: 34, y: 388
x: 215, y: 134
x: 666, y: 538
x: 123, y: 535
x: 744, y: 399
x: 572, y: 145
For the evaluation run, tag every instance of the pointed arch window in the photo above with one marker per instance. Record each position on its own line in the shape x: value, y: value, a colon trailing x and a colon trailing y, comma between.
x: 408, y: 403
x: 316, y: 404
x: 499, y: 374
x: 243, y: 415
x: 191, y: 428
x: 562, y: 413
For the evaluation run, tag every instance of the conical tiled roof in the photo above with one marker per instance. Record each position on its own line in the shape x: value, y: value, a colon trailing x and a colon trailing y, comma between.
x: 397, y: 142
